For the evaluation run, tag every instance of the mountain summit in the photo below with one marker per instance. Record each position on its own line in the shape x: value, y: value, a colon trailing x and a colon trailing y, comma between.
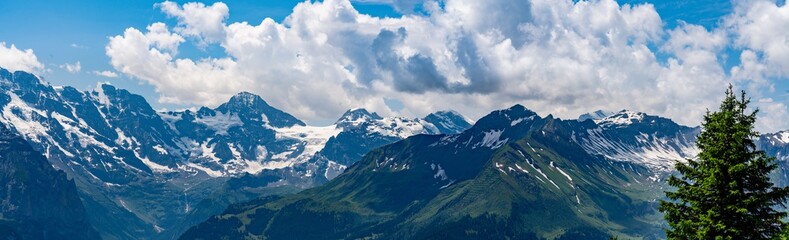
x: 251, y: 106
x: 356, y: 116
x: 364, y: 131
x: 596, y: 115
x: 448, y: 122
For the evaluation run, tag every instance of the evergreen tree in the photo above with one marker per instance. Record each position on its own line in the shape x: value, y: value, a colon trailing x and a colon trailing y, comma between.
x: 726, y: 193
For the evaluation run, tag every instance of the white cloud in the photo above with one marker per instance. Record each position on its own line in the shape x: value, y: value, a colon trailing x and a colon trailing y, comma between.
x: 106, y: 73
x: 758, y: 28
x: 206, y: 23
x: 762, y: 27
x: 776, y: 115
x: 558, y: 57
x: 72, y: 67
x: 14, y: 59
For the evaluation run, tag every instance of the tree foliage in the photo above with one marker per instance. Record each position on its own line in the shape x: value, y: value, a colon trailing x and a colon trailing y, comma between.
x: 726, y: 193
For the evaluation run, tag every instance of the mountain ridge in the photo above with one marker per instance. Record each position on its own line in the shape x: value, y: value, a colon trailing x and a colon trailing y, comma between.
x: 513, y: 174
x: 409, y: 186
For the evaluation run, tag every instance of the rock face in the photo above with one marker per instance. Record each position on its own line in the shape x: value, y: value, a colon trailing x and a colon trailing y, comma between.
x: 37, y: 201
x: 150, y: 174
x: 514, y: 174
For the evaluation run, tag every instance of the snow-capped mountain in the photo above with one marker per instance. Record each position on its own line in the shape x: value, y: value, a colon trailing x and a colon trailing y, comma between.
x: 116, y: 146
x: 247, y: 135
x: 91, y: 133
x: 363, y: 131
x: 636, y: 137
x: 111, y: 130
x: 239, y: 136
x: 448, y: 122
x: 625, y: 136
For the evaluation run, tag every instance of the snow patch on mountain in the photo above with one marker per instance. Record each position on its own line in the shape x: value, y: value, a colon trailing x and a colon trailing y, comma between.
x: 333, y: 169
x: 315, y: 138
x: 160, y: 149
x: 657, y: 153
x: 207, y: 151
x: 123, y: 140
x: 246, y: 98
x: 545, y: 176
x: 357, y: 116
x: 400, y: 127
x: 445, y: 140
x: 208, y: 171
x: 152, y: 165
x: 783, y: 137
x: 440, y: 173
x: 570, y: 179
x: 521, y: 168
x: 220, y: 122
x: 519, y: 120
x: 491, y: 139
x: 254, y: 167
x: 100, y: 96
x: 24, y: 121
x: 82, y: 138
x: 623, y: 117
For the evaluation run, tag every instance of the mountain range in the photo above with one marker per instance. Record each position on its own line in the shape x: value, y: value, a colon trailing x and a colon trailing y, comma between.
x: 512, y: 175
x: 240, y: 169
x: 149, y: 174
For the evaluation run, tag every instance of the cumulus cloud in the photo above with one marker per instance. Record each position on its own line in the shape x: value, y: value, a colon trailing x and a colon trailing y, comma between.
x: 106, y: 73
x: 777, y: 114
x: 206, y: 23
x: 758, y: 28
x: 761, y: 27
x: 558, y: 57
x: 72, y: 67
x: 14, y: 59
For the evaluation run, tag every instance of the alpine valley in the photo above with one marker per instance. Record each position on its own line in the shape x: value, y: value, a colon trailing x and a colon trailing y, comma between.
x: 247, y: 170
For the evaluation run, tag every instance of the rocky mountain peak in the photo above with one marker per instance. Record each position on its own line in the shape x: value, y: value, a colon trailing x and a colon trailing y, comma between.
x: 250, y: 106
x: 357, y: 115
x: 448, y: 122
x: 596, y: 115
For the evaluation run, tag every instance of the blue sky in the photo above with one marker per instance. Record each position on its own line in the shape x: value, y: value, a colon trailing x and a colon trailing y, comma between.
x: 61, y: 32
